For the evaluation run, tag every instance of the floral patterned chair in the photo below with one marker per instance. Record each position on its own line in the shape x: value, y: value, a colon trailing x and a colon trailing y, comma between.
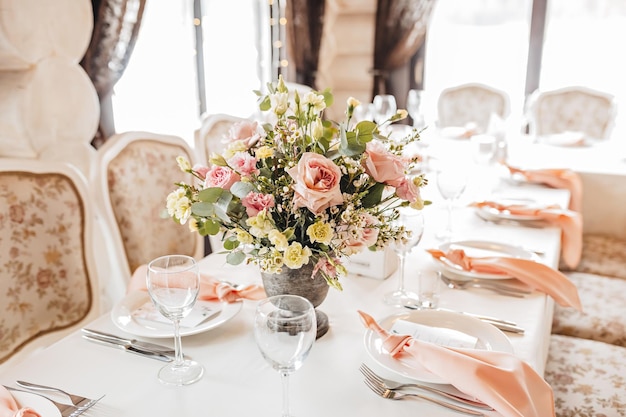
x: 588, y: 377
x: 575, y: 108
x: 136, y: 172
x: 471, y: 103
x: 48, y: 278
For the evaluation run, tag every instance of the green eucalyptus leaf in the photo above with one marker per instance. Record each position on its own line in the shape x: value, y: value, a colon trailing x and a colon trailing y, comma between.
x: 241, y: 189
x: 265, y: 104
x: 235, y: 258
x: 209, y: 227
x: 211, y: 195
x: 203, y: 209
x: 352, y: 145
x: 365, y: 131
x: 230, y: 244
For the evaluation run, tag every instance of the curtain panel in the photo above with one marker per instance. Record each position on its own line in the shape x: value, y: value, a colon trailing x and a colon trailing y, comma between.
x: 116, y: 25
x: 305, y: 21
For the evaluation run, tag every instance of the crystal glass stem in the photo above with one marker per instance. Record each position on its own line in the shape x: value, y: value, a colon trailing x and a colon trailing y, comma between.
x: 178, y: 348
x: 284, y: 377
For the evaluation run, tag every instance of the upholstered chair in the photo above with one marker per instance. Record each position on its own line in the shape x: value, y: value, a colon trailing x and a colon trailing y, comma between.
x: 48, y: 274
x: 136, y: 172
x: 575, y: 109
x: 471, y: 103
x: 210, y: 136
x: 588, y: 377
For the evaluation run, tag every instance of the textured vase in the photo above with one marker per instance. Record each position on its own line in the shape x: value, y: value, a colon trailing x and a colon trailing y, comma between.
x: 299, y: 282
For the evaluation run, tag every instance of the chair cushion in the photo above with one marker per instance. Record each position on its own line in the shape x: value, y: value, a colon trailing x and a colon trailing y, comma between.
x: 603, y: 255
x: 588, y: 377
x: 604, y: 310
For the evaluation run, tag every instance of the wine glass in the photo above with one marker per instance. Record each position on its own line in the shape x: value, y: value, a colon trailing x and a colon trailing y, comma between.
x: 451, y: 182
x: 414, y: 108
x: 413, y: 221
x: 284, y: 329
x: 384, y: 107
x: 484, y: 149
x: 173, y: 283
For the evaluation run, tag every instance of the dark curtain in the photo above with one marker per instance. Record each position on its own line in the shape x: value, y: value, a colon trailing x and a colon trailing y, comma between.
x: 399, y: 40
x: 304, y: 30
x: 116, y: 25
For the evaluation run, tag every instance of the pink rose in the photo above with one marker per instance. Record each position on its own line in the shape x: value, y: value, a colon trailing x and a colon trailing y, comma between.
x: 317, y: 183
x: 362, y: 237
x: 326, y: 266
x: 408, y: 191
x: 382, y: 165
x: 222, y: 177
x: 200, y: 170
x: 245, y: 131
x: 255, y: 202
x: 244, y: 163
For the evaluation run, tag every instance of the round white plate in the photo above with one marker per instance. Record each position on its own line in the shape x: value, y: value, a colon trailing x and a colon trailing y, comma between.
x: 489, y: 338
x: 38, y: 403
x: 490, y: 213
x: 122, y: 317
x: 480, y: 248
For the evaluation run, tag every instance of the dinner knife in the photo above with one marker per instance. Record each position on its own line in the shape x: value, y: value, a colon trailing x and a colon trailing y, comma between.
x: 153, y: 347
x: 504, y: 325
x: 129, y: 348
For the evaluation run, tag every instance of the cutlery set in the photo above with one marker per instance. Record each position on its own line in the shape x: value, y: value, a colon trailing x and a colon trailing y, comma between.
x: 77, y: 406
x: 145, y: 349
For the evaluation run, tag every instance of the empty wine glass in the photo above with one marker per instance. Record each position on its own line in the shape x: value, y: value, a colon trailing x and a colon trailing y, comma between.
x: 284, y: 329
x: 173, y: 283
x: 413, y: 221
x: 451, y: 182
x: 414, y: 108
x: 384, y: 107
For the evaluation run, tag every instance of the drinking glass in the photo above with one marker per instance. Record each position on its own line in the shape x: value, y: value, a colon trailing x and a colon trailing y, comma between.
x: 413, y: 221
x: 173, y: 283
x: 451, y: 183
x: 414, y: 108
x: 285, y: 329
x: 429, y: 284
x: 384, y: 107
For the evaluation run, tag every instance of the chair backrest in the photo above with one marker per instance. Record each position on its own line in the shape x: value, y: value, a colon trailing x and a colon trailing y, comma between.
x: 48, y: 278
x: 575, y: 108
x: 136, y: 172
x: 471, y: 103
x: 209, y: 137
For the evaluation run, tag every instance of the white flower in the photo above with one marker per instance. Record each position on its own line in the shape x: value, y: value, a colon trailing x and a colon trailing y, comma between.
x: 178, y: 205
x: 316, y: 101
x: 280, y: 103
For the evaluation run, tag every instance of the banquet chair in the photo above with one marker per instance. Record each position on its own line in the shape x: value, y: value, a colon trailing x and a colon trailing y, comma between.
x: 209, y: 138
x: 48, y: 280
x: 587, y: 377
x: 471, y: 103
x: 136, y: 172
x: 571, y: 109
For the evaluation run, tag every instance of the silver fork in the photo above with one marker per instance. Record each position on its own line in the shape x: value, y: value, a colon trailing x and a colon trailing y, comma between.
x: 66, y: 410
x: 394, y: 395
x: 501, y: 289
x: 393, y: 385
x: 77, y: 400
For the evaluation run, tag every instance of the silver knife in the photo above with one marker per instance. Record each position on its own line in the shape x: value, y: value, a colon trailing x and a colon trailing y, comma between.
x: 129, y: 348
x: 153, y: 347
x: 504, y: 325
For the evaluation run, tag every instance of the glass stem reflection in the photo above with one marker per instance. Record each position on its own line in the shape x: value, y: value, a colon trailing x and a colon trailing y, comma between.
x: 178, y: 349
x: 284, y: 377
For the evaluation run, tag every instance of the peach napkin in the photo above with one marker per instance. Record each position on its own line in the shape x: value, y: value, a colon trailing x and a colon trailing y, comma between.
x: 556, y: 178
x: 9, y: 408
x: 569, y: 221
x: 210, y: 288
x: 534, y: 274
x: 500, y: 380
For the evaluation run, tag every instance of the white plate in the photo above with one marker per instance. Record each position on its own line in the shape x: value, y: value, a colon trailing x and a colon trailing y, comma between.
x: 489, y: 338
x: 491, y: 213
x: 121, y: 314
x: 38, y: 403
x: 480, y: 248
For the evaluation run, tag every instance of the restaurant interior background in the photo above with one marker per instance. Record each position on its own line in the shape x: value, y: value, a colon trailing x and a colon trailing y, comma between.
x: 467, y: 41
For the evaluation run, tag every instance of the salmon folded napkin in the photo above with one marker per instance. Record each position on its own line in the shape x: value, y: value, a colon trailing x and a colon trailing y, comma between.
x: 9, y: 407
x: 534, y: 274
x: 556, y: 178
x: 499, y: 379
x: 210, y: 288
x: 569, y: 221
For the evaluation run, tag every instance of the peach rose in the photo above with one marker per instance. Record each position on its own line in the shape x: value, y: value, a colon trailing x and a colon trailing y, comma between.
x: 244, y: 163
x: 382, y: 165
x: 222, y: 177
x: 316, y: 183
x: 255, y: 202
x: 363, y: 237
x: 245, y: 131
x: 408, y: 191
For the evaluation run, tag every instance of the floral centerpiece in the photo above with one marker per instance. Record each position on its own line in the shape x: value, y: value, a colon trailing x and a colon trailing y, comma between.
x: 301, y: 190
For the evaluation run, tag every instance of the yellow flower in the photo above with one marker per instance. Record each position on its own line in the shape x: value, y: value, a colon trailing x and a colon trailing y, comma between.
x: 320, y: 232
x: 278, y: 240
x: 183, y: 163
x: 295, y: 256
x: 316, y: 101
x: 264, y: 152
x: 353, y: 102
x: 244, y: 237
x: 260, y: 225
x: 178, y: 205
x: 193, y: 225
x: 317, y: 129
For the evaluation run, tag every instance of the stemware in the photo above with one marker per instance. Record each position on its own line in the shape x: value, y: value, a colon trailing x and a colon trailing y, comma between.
x: 414, y: 108
x: 284, y: 330
x: 384, y: 107
x: 173, y: 283
x: 451, y: 183
x: 413, y: 221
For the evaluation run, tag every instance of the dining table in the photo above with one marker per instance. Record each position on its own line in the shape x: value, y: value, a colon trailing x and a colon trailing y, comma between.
x: 237, y: 381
